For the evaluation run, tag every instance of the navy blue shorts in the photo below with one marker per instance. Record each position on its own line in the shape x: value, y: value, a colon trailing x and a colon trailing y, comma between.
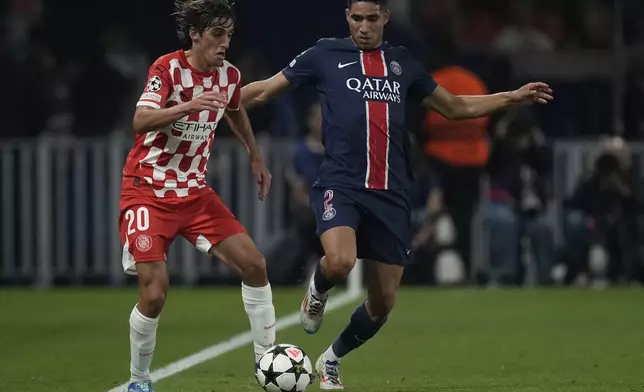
x: 381, y: 219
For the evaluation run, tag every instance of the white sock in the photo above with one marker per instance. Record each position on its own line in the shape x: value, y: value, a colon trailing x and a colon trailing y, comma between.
x: 258, y: 303
x: 143, y: 338
x: 329, y: 355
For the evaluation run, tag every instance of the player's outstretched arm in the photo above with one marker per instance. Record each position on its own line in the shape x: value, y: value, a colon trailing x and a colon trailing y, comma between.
x: 238, y: 119
x: 260, y: 92
x: 461, y: 107
x: 147, y: 118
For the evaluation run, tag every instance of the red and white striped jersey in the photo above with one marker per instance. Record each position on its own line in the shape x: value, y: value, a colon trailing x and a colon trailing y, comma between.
x: 172, y: 161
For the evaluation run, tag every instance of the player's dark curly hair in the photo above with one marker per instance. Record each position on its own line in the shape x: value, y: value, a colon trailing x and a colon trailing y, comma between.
x: 200, y: 15
x: 382, y: 3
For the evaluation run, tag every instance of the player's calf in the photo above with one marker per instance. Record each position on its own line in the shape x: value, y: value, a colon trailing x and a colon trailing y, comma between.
x: 369, y: 317
x: 240, y: 252
x: 362, y: 327
x: 144, y: 319
x: 379, y: 306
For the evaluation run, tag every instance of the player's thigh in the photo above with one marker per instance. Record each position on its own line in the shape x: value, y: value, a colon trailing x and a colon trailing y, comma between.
x: 385, y: 232
x: 378, y: 241
x: 384, y: 241
x: 383, y: 281
x: 212, y: 228
x: 146, y: 229
x: 337, y: 217
x: 240, y: 253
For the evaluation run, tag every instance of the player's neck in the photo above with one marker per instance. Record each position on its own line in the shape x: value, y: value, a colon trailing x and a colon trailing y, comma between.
x: 197, y: 62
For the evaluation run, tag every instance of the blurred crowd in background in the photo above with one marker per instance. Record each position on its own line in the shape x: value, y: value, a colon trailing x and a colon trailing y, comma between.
x: 76, y: 68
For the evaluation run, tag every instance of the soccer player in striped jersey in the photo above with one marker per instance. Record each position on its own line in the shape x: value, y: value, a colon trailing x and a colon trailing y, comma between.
x: 164, y: 192
x: 361, y: 198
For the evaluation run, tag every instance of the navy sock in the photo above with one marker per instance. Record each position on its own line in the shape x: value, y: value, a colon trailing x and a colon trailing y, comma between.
x: 360, y: 329
x: 322, y: 283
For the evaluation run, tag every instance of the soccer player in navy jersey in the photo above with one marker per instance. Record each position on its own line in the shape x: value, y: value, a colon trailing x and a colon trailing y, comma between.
x: 361, y: 198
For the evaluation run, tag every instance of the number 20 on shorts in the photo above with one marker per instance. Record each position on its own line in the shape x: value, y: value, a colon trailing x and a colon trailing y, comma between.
x: 141, y: 217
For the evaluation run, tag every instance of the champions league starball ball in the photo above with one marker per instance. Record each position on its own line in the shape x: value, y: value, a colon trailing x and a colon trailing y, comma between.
x: 284, y: 368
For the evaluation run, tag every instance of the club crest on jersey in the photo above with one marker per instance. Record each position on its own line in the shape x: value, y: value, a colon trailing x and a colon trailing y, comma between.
x: 143, y: 242
x: 396, y: 68
x: 328, y: 214
x: 154, y: 84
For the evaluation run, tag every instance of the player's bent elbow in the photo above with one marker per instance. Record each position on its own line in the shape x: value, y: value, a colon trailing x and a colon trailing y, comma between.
x: 461, y: 110
x: 259, y: 100
x: 136, y: 126
x: 449, y: 114
x: 456, y: 109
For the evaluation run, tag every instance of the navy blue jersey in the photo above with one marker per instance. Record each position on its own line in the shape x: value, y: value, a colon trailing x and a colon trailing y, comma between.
x: 363, y: 96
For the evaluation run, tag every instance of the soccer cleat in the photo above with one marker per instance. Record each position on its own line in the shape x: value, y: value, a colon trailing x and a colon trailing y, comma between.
x: 329, y: 373
x: 312, y: 310
x: 140, y: 386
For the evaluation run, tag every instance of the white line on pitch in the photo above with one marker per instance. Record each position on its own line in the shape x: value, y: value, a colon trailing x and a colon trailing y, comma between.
x: 236, y: 342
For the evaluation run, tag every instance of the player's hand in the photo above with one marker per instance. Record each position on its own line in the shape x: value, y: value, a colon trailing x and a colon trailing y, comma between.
x: 262, y: 176
x: 532, y: 93
x: 210, y: 100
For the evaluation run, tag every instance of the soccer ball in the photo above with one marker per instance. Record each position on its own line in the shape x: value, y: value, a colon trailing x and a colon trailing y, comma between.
x: 284, y: 368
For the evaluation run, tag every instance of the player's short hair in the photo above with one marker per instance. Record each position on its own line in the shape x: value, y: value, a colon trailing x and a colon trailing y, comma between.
x: 382, y: 3
x: 200, y: 15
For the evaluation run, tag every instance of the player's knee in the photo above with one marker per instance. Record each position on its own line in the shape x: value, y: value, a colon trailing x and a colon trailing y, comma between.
x: 152, y: 300
x: 253, y: 267
x: 153, y: 294
x: 339, y: 264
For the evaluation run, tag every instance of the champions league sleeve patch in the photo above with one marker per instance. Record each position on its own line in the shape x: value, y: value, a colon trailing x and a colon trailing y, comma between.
x: 154, y: 84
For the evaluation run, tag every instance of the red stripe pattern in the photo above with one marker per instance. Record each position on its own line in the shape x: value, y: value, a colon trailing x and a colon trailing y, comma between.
x: 377, y: 177
x: 173, y: 159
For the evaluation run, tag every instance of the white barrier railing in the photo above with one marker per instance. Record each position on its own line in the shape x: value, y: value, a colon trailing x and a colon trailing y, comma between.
x: 59, y: 205
x: 572, y: 161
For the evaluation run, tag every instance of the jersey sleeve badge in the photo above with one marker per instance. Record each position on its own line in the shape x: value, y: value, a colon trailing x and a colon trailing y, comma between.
x: 154, y: 84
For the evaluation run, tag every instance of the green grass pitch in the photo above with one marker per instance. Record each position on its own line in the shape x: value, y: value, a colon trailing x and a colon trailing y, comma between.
x: 76, y: 340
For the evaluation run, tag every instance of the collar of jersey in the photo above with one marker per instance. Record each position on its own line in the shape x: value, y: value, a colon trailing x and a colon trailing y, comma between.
x: 186, y: 63
x: 354, y: 46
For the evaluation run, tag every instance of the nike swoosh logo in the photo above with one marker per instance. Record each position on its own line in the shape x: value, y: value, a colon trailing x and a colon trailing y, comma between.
x: 340, y: 65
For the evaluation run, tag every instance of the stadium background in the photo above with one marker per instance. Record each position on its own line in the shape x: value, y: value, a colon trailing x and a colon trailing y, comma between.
x: 76, y: 69
x: 72, y: 71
